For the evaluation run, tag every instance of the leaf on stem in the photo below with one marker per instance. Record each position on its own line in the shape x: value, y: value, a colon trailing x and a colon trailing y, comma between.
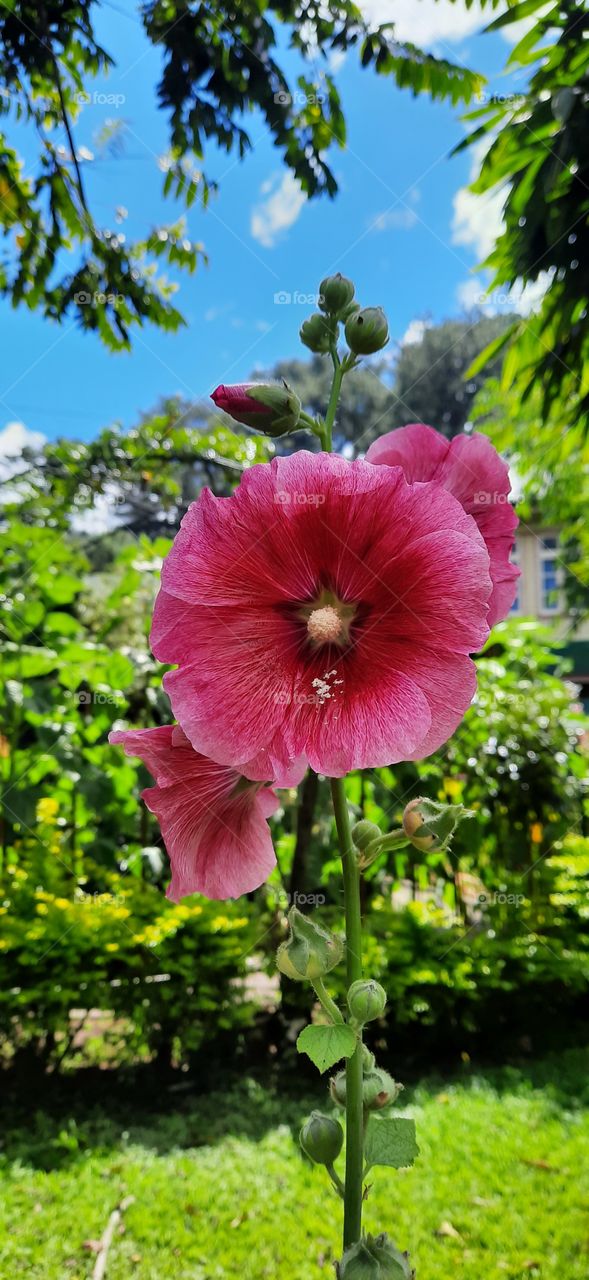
x: 391, y: 1141
x: 327, y: 1045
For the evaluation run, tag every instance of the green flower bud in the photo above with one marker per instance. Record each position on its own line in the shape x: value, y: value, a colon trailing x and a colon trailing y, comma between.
x: 310, y: 951
x: 367, y: 331
x: 317, y: 333
x: 364, y: 833
x: 335, y: 294
x: 379, y: 1090
x: 321, y: 1138
x: 366, y: 1000
x: 348, y: 311
x: 368, y: 1058
x: 430, y: 825
x: 374, y: 1258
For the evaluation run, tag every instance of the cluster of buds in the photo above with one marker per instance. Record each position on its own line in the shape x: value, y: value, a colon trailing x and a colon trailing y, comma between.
x: 374, y: 1258
x: 366, y: 328
x: 274, y: 409
x: 428, y: 825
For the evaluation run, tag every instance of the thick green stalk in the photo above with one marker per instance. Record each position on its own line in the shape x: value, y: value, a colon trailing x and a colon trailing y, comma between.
x: 354, y: 1107
x: 338, y: 373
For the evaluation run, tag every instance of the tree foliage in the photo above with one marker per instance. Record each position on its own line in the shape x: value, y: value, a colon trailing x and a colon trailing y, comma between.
x: 431, y: 382
x: 539, y: 158
x: 220, y: 64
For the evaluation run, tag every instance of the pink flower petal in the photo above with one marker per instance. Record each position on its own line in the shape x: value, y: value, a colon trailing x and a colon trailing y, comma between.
x: 470, y: 468
x: 213, y: 823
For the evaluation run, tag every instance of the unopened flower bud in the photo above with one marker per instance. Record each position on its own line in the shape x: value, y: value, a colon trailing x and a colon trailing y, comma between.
x: 366, y: 1000
x: 350, y: 310
x: 379, y: 1090
x: 367, y: 331
x: 268, y: 408
x: 364, y: 833
x: 430, y: 825
x: 317, y: 333
x: 368, y: 1058
x: 310, y: 951
x: 335, y: 294
x: 321, y: 1138
x: 374, y: 1258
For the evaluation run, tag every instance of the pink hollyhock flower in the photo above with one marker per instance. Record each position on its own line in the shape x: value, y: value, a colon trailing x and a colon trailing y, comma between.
x: 326, y: 609
x: 213, y: 820
x: 471, y: 469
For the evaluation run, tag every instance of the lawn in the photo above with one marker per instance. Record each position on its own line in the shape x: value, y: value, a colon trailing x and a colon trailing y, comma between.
x: 500, y: 1191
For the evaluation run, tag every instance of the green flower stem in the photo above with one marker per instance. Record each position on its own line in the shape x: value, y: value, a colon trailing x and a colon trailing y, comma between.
x: 337, y: 1182
x: 354, y: 1105
x: 338, y: 373
x: 326, y: 1002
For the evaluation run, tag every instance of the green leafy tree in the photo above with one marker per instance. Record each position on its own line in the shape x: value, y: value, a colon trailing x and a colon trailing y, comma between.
x: 220, y: 63
x: 431, y: 381
x: 145, y: 478
x: 538, y: 157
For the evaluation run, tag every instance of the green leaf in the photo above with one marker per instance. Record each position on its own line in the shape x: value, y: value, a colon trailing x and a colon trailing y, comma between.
x: 490, y: 352
x: 391, y: 1141
x: 327, y: 1045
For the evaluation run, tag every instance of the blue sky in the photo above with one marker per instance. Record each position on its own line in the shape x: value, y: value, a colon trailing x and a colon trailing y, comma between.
x: 400, y: 226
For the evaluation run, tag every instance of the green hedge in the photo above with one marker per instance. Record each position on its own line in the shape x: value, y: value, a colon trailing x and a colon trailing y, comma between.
x: 169, y: 976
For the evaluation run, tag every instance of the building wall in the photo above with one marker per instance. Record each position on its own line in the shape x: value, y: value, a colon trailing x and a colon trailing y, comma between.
x: 538, y: 557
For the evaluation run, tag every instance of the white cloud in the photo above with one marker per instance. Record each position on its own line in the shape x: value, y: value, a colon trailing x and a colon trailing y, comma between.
x: 399, y: 219
x: 477, y: 220
x: 279, y: 211
x: 425, y: 21
x: 524, y: 299
x: 15, y: 437
x: 414, y: 332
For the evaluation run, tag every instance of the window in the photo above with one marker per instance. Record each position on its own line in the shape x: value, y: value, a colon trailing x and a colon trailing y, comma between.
x: 517, y: 604
x: 550, y: 601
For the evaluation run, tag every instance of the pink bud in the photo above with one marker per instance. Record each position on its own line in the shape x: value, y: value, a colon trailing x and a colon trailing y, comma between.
x: 238, y: 400
x: 273, y: 410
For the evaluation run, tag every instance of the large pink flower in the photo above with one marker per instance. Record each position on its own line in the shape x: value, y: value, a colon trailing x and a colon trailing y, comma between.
x: 326, y: 609
x: 471, y: 469
x: 213, y: 820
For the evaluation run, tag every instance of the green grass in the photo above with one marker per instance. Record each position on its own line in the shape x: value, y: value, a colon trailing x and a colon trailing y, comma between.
x: 221, y: 1192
